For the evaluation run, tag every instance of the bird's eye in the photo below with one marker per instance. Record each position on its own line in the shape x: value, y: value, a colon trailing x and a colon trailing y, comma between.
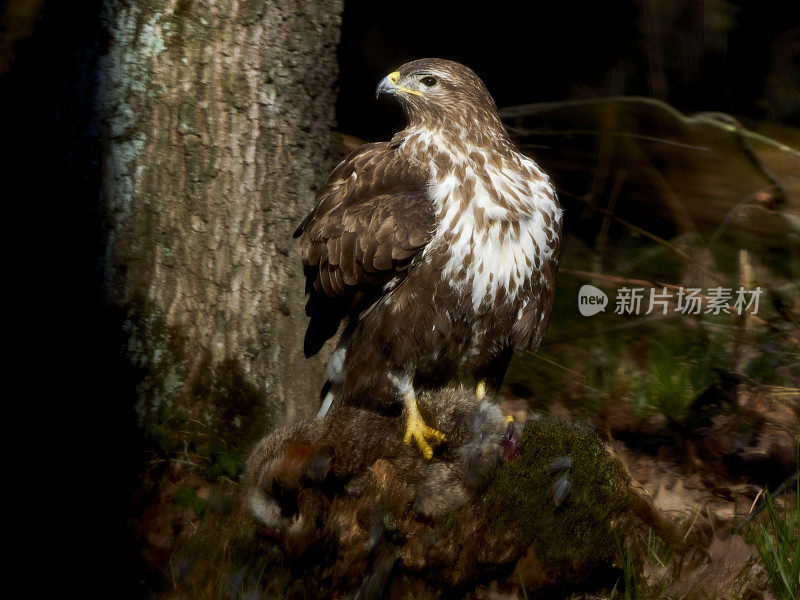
x: 429, y: 81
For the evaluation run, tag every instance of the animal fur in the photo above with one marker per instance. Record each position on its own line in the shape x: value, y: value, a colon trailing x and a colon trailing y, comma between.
x: 337, y: 477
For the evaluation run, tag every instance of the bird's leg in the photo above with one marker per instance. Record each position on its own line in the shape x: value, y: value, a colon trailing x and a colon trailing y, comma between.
x: 416, y: 428
x: 489, y: 378
x: 480, y: 393
x: 510, y: 442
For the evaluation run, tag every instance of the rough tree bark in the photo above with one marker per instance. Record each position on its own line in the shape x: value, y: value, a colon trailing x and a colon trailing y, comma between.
x: 217, y: 116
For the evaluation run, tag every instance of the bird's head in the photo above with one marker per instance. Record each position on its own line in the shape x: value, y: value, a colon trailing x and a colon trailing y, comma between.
x: 435, y: 92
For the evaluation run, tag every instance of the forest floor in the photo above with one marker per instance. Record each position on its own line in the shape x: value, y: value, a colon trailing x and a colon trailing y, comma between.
x: 703, y: 410
x: 711, y: 485
x: 703, y: 440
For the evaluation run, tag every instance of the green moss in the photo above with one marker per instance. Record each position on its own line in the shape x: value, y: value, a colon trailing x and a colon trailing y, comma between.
x: 186, y: 496
x: 217, y: 412
x: 577, y: 534
x: 157, y: 349
x: 235, y: 409
x: 223, y: 462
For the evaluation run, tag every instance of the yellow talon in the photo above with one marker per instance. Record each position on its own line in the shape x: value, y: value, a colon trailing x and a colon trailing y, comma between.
x: 480, y: 390
x: 417, y: 430
x: 509, y: 418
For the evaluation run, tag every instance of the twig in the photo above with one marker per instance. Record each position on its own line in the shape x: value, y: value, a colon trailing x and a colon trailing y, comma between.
x: 691, y: 525
x: 644, y: 508
x: 643, y: 232
x: 755, y: 510
x: 711, y: 120
x: 571, y: 132
x: 602, y: 237
x: 755, y: 501
x: 711, y: 521
x: 567, y: 369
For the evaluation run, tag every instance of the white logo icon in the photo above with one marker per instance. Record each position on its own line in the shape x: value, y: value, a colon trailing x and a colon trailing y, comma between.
x: 591, y: 300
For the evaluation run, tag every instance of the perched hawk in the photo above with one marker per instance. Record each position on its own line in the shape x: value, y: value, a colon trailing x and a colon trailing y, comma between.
x: 439, y: 249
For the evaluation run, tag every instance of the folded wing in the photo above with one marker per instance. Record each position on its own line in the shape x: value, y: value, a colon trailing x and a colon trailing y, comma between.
x: 373, y: 218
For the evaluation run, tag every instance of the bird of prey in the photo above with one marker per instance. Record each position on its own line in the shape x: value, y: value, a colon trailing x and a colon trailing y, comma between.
x: 438, y: 249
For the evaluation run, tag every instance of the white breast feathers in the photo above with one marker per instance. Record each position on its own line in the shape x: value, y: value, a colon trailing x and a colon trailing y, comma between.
x: 497, y: 217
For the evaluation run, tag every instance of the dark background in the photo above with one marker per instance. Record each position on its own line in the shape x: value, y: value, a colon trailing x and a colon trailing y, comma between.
x: 73, y: 454
x: 734, y: 57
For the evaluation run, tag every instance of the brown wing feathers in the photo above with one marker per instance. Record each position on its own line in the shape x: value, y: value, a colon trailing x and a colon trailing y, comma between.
x: 530, y: 328
x: 369, y: 224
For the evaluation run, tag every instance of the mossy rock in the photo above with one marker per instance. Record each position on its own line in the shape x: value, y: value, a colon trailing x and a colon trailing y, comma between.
x: 575, y: 535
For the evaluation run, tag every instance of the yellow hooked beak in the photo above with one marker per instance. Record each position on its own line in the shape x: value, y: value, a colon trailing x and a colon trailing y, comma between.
x: 388, y: 85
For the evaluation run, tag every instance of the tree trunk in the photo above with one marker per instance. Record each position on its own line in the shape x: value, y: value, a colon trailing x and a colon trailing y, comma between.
x: 217, y: 116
